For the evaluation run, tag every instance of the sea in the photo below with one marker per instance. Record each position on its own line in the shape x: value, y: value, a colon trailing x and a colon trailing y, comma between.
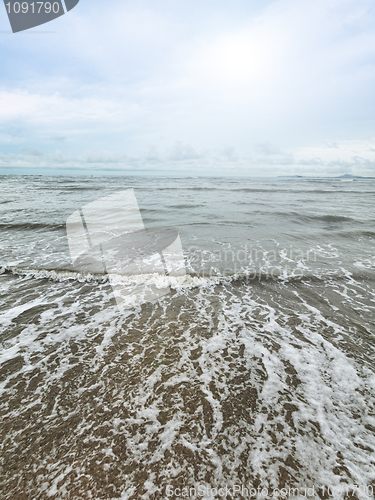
x: 252, y: 377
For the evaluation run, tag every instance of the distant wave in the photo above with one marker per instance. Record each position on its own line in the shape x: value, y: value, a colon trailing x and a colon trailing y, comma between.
x: 186, y: 205
x: 327, y: 218
x: 258, y: 190
x: 79, y: 188
x: 32, y: 226
x: 357, y: 234
x: 188, y: 281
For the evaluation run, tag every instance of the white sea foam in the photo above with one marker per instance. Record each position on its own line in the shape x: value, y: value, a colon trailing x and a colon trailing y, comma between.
x: 222, y: 381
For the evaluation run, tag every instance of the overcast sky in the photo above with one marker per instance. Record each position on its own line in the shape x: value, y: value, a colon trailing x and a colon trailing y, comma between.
x: 181, y: 87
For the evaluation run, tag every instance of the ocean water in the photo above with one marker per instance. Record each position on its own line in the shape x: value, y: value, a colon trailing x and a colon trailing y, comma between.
x: 255, y: 373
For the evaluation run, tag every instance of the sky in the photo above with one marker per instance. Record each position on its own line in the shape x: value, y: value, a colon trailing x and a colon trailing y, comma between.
x: 191, y: 87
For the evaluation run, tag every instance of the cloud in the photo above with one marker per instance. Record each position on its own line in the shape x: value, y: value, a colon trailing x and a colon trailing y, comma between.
x: 58, y: 138
x: 228, y: 154
x: 105, y: 157
x: 333, y: 145
x: 267, y: 149
x: 182, y: 152
x: 30, y: 151
x: 201, y: 83
x: 186, y: 159
x: 311, y: 162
